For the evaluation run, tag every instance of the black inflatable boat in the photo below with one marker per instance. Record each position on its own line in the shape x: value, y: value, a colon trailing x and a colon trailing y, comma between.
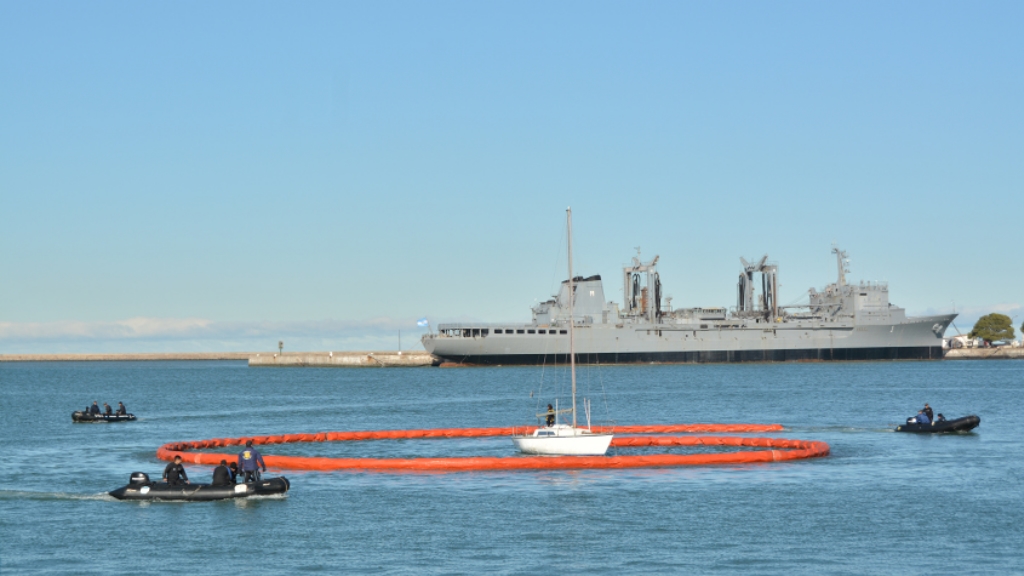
x: 964, y: 424
x: 82, y: 416
x: 140, y: 487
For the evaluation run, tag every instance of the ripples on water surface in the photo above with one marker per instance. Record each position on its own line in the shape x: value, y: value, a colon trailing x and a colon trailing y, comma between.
x: 881, y: 503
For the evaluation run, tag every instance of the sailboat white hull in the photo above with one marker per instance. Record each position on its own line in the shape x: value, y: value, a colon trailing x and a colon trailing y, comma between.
x: 563, y: 441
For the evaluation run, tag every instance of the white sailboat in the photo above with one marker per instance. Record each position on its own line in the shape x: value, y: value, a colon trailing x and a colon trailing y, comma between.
x: 563, y: 439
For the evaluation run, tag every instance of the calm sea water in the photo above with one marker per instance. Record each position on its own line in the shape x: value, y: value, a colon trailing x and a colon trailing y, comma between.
x: 882, y: 503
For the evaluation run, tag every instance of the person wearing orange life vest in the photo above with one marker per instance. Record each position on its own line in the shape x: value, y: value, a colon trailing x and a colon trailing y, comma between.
x: 250, y: 461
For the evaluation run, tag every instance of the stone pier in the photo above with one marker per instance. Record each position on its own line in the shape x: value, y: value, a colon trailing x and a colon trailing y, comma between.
x: 1000, y: 353
x: 344, y: 359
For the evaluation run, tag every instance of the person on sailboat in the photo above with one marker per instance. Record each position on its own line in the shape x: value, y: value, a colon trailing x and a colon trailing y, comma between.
x: 565, y: 440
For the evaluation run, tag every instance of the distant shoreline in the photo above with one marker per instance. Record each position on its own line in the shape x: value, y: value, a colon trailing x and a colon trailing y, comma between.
x: 341, y: 359
x: 378, y: 358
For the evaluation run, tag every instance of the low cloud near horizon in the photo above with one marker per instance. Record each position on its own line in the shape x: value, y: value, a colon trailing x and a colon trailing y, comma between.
x: 201, y: 335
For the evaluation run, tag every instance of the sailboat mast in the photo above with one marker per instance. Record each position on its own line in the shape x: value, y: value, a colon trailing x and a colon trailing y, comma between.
x: 572, y: 322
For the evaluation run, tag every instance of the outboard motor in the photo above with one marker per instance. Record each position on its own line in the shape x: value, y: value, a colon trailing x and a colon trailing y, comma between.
x: 139, y: 478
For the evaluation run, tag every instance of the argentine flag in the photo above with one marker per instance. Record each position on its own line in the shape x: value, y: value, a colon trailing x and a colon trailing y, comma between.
x: 422, y: 323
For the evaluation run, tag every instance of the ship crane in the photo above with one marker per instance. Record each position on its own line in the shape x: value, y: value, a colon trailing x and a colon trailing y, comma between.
x: 642, y: 297
x: 767, y: 302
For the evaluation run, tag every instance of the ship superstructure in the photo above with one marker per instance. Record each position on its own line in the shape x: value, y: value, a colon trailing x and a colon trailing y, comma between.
x: 843, y: 321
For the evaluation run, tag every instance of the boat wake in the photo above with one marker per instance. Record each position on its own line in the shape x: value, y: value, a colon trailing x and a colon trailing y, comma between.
x: 53, y: 496
x: 840, y: 429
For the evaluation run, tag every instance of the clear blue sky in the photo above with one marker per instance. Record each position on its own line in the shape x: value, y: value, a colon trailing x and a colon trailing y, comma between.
x: 197, y: 175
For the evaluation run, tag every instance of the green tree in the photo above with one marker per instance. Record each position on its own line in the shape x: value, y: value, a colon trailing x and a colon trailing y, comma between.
x: 993, y: 327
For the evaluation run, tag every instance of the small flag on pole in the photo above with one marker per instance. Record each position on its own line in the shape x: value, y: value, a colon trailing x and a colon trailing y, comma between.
x: 422, y: 323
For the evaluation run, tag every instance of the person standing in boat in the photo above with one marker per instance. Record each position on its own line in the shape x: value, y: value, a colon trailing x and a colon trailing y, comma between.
x: 174, y: 473
x: 222, y: 474
x: 121, y: 410
x: 250, y: 461
x: 94, y: 410
x: 928, y: 411
x: 551, y: 416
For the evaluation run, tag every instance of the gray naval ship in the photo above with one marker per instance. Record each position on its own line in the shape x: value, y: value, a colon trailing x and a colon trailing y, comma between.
x: 841, y: 322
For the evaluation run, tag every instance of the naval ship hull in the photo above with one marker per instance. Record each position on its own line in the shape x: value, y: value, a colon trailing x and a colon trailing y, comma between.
x: 916, y: 339
x: 705, y: 356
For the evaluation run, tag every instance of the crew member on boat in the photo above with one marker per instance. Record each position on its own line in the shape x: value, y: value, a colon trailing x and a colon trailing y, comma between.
x: 174, y: 473
x: 107, y: 410
x: 222, y: 474
x: 94, y: 409
x: 928, y: 412
x: 121, y: 410
x: 551, y: 416
x: 249, y: 461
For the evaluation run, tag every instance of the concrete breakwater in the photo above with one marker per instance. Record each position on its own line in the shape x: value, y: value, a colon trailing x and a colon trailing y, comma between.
x: 1000, y: 353
x: 125, y: 357
x: 353, y: 359
x: 344, y: 359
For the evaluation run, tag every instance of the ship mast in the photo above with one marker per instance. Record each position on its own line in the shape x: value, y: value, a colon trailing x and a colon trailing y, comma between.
x: 572, y: 322
x: 841, y: 263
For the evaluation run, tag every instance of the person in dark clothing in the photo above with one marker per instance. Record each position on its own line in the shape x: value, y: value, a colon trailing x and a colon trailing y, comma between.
x: 941, y: 418
x: 551, y: 415
x: 121, y: 410
x: 107, y: 410
x: 928, y: 411
x: 233, y: 468
x: 174, y: 473
x: 222, y: 474
x: 923, y: 418
x: 94, y: 409
x: 250, y: 461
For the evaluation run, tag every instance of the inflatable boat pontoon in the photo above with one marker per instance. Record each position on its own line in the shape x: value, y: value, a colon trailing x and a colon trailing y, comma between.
x: 140, y: 487
x: 964, y: 424
x: 82, y: 416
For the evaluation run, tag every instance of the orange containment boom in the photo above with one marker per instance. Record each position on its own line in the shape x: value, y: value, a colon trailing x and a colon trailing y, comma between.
x: 780, y: 449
